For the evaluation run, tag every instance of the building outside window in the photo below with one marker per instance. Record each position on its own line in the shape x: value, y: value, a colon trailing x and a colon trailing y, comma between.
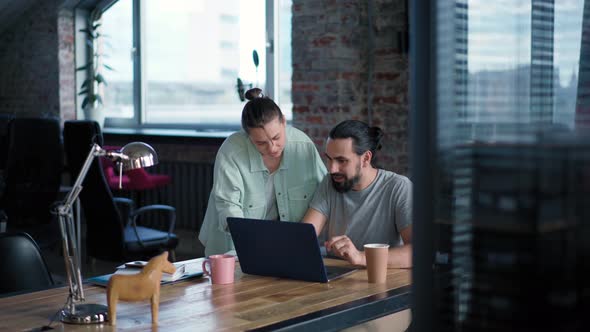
x: 509, y: 172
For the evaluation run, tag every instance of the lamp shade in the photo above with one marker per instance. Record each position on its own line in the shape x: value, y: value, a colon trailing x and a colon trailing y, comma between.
x: 139, y: 155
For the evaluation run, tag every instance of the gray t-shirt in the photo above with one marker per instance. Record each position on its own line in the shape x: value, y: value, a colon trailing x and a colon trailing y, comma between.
x: 375, y: 214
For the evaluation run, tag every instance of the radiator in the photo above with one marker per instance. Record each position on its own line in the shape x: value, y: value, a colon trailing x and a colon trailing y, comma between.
x: 188, y: 193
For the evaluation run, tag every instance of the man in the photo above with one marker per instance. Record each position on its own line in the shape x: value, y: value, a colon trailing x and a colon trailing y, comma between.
x: 358, y: 203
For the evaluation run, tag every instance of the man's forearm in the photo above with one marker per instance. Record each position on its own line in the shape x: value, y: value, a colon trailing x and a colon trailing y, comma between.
x: 400, y: 257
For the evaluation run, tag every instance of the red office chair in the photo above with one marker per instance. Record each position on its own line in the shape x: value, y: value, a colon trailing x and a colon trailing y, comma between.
x: 112, y: 177
x: 134, y: 180
x: 139, y: 179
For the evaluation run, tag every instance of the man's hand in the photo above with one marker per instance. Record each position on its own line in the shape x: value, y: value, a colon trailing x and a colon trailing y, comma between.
x: 343, y: 247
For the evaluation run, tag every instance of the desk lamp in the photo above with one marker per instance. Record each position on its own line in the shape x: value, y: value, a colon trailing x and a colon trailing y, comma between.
x: 131, y: 156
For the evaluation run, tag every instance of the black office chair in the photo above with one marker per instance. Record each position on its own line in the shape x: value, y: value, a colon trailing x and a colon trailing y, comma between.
x: 5, y: 120
x: 32, y: 178
x: 112, y: 231
x: 22, y: 268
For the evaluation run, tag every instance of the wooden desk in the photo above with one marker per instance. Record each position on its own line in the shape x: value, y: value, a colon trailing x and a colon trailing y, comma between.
x: 252, y: 302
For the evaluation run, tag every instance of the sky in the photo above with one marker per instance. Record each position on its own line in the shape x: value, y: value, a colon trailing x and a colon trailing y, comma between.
x: 500, y: 35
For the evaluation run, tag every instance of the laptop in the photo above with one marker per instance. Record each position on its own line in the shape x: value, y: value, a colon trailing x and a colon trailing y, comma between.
x: 281, y: 249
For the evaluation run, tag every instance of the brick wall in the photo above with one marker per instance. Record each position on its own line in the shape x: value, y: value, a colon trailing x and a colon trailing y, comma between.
x: 332, y: 58
x: 67, y: 65
x: 33, y: 53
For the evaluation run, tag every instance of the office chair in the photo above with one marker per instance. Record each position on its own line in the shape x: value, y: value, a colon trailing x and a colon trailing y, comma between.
x: 113, y: 232
x: 34, y: 165
x: 5, y: 120
x: 22, y: 268
x: 135, y: 180
x: 112, y: 175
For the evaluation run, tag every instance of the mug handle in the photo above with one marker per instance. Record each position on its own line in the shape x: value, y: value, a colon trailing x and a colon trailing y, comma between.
x: 205, y: 271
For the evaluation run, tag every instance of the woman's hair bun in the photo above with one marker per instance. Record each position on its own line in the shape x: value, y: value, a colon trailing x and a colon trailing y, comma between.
x: 253, y: 93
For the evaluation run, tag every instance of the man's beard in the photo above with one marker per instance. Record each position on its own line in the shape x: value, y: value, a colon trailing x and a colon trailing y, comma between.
x: 347, y: 184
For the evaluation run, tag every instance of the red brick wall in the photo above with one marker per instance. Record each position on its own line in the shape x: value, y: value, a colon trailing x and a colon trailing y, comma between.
x: 66, y: 58
x: 331, y: 61
x: 36, y: 63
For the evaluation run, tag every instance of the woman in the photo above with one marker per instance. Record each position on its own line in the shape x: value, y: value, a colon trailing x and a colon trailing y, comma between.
x: 268, y: 170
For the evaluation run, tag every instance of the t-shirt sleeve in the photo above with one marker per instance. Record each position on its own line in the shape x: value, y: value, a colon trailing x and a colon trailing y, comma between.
x: 320, y: 201
x: 402, y: 203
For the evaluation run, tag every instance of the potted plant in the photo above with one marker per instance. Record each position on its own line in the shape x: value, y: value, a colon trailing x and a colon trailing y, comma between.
x: 91, y: 87
x: 241, y: 86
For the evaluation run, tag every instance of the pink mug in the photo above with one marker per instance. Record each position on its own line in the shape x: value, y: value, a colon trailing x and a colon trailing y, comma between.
x: 221, y: 268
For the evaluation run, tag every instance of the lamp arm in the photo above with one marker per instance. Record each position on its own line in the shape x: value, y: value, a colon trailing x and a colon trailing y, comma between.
x: 70, y: 251
x: 96, y: 150
x: 64, y: 211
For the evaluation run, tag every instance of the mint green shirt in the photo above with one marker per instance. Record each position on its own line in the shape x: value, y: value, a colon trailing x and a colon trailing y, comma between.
x: 239, y: 179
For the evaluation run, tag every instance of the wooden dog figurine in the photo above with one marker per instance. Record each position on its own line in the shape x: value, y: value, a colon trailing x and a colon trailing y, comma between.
x: 137, y: 287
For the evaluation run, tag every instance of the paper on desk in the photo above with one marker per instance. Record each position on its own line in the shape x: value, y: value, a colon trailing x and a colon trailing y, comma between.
x: 192, y: 269
x: 183, y: 268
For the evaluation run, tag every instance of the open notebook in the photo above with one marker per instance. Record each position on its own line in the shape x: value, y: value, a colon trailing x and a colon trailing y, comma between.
x: 184, y: 270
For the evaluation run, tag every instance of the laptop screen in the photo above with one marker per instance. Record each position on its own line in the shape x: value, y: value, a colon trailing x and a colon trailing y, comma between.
x: 279, y: 249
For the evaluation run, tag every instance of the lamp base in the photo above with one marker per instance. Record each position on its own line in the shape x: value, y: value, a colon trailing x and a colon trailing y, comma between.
x: 85, y: 314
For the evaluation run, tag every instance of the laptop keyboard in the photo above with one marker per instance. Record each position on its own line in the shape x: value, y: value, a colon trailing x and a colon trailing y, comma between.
x: 335, y: 272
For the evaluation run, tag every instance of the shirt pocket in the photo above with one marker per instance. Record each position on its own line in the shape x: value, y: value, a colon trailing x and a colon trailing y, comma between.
x: 254, y: 206
x: 299, y: 198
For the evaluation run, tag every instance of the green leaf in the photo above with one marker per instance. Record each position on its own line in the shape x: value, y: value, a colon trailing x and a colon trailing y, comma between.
x: 83, y: 92
x: 88, y: 33
x: 99, y: 99
x: 95, y: 14
x: 85, y: 83
x: 83, y: 67
x: 99, y: 78
x: 108, y: 67
x: 94, y: 27
x: 85, y: 102
x: 255, y: 58
x: 241, y: 90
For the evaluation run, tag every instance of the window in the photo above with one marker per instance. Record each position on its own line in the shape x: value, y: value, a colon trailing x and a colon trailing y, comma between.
x: 176, y: 62
x: 520, y: 63
x: 118, y: 47
x: 501, y: 181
